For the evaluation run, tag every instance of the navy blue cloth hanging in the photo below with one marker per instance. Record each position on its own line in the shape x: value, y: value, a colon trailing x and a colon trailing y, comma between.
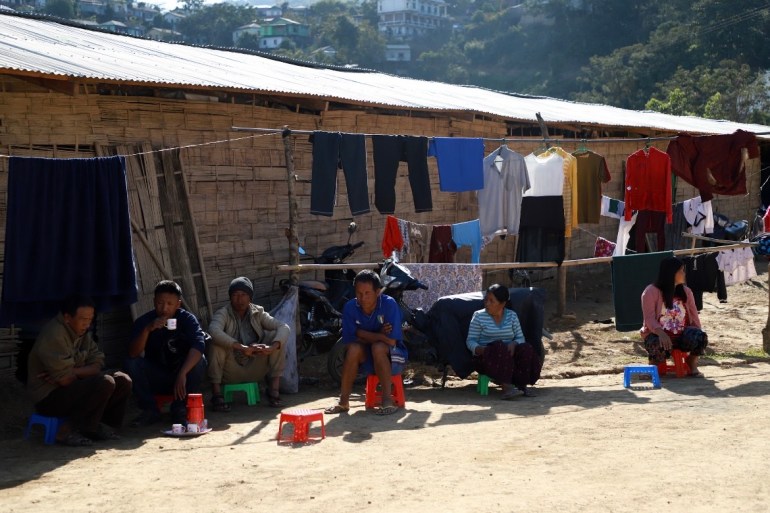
x: 67, y: 232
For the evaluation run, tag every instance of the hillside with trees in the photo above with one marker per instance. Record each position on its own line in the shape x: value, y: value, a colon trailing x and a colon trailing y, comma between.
x: 707, y: 58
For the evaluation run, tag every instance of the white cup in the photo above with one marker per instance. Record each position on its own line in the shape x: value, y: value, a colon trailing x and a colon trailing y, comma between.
x: 204, y: 425
x: 177, y: 429
x: 192, y: 428
x: 171, y: 324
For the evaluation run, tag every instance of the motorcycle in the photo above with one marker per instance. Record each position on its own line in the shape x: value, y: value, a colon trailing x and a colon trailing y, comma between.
x: 320, y: 302
x: 396, y: 279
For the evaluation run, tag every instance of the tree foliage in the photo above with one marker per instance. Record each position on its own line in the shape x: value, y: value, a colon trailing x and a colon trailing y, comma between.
x: 702, y: 57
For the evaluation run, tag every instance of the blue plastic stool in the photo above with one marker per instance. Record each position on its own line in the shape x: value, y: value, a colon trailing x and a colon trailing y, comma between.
x: 482, y: 385
x: 251, y: 390
x: 51, y: 425
x: 651, y: 370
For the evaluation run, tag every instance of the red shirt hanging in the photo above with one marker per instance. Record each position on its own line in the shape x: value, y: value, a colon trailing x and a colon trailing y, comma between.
x: 648, y: 183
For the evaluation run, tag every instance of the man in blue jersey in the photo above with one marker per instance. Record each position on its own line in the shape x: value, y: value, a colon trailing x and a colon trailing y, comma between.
x: 371, y: 330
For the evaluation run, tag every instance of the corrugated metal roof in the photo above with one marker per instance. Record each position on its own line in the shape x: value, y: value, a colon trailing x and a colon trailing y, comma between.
x: 47, y: 47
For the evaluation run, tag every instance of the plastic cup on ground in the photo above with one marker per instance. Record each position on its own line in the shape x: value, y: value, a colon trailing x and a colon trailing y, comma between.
x: 177, y: 429
x: 193, y: 428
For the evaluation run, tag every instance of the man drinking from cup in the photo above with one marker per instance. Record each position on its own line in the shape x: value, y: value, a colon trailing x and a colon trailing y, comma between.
x: 165, y: 355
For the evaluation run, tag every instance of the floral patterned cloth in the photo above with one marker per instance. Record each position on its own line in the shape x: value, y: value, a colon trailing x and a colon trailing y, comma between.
x: 673, y: 320
x: 442, y: 280
x: 603, y: 247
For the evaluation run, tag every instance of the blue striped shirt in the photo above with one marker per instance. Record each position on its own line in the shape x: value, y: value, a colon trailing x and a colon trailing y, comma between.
x: 484, y: 330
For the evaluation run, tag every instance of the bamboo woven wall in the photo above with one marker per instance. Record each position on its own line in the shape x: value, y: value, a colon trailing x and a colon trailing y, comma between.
x: 238, y: 188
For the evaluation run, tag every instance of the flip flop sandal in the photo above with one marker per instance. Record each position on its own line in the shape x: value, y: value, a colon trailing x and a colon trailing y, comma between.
x: 337, y: 408
x: 274, y: 400
x: 76, y: 440
x: 218, y: 404
x: 386, y: 410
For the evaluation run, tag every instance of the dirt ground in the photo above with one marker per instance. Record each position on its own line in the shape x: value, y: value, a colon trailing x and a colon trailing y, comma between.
x: 583, y: 444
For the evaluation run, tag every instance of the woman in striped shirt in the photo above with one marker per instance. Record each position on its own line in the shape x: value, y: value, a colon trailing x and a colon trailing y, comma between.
x: 499, y: 348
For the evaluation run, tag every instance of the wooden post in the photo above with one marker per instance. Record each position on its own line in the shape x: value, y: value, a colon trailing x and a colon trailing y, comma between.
x: 290, y: 178
x: 766, y: 330
x: 561, y: 282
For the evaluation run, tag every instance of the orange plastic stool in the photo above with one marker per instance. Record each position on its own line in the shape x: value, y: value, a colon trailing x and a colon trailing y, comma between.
x: 680, y: 366
x: 300, y: 419
x: 162, y: 401
x: 374, y: 392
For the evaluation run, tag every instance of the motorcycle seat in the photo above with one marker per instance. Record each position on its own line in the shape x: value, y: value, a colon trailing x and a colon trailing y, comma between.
x: 314, y: 284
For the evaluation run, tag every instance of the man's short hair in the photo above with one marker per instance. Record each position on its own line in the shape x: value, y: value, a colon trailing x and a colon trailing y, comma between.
x: 71, y: 304
x: 168, y: 287
x: 368, y: 276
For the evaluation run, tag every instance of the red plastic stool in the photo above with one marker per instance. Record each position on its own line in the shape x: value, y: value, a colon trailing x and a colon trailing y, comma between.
x: 161, y: 401
x: 300, y: 419
x: 680, y: 366
x: 374, y: 391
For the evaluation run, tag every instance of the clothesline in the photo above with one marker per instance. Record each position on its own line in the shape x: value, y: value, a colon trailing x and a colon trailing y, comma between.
x: 220, y: 141
x: 501, y: 266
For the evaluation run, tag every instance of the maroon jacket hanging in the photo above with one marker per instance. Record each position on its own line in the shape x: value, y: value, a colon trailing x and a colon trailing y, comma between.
x: 714, y: 164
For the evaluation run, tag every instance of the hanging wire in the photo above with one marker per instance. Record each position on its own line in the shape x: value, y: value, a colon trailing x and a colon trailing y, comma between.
x: 183, y: 147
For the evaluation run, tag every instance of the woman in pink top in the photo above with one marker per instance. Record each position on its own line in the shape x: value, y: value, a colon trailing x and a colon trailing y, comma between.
x: 670, y: 317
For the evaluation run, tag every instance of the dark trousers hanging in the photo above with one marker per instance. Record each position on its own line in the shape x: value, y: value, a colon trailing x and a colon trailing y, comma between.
x: 388, y: 151
x: 650, y: 222
x: 332, y: 151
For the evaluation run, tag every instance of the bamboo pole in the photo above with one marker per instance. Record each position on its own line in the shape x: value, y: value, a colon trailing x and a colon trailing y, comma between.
x: 292, y: 232
x: 501, y: 266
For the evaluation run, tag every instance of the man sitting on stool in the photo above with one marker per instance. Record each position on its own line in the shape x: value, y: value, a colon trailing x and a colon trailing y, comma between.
x: 248, y: 345
x: 166, y: 355
x: 66, y: 379
x: 371, y: 330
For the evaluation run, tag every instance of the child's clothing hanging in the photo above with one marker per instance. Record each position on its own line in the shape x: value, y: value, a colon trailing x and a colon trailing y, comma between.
x: 391, y: 238
x: 468, y: 234
x: 442, y: 247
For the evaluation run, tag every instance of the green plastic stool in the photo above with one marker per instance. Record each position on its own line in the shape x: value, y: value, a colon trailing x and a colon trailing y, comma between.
x: 482, y: 385
x: 251, y: 390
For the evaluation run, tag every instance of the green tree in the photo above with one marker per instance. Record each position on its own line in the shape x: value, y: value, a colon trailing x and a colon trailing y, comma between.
x: 214, y: 24
x: 675, y: 104
x: 61, y: 8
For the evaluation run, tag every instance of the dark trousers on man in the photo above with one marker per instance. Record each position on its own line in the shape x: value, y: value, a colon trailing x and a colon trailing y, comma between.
x: 89, y: 401
x: 151, y: 378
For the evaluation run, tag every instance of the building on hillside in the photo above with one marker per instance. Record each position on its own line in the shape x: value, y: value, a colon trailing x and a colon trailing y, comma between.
x: 275, y: 31
x: 88, y: 8
x: 162, y: 34
x: 401, y: 20
x: 268, y: 11
x: 252, y: 29
x: 398, y: 53
x: 174, y: 17
x: 142, y: 12
x: 121, y: 28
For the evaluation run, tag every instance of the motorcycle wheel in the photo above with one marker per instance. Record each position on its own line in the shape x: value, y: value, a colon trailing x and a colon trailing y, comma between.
x: 336, y: 360
x: 304, y: 344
